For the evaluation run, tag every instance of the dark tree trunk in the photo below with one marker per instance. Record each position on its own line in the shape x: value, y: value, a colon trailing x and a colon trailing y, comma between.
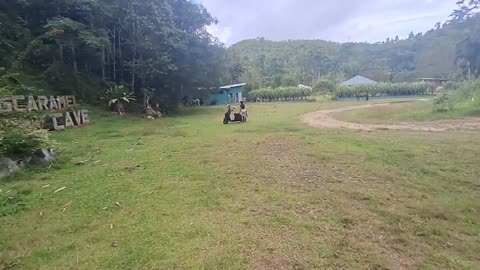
x: 75, y: 67
x: 61, y: 52
x: 120, y: 60
x: 114, y: 57
x: 134, y: 55
x: 103, y: 63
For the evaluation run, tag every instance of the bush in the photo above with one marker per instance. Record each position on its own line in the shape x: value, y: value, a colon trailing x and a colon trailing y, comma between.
x: 465, y: 96
x: 440, y: 103
x: 21, y: 137
x: 12, y: 84
x: 325, y: 86
x: 448, y: 86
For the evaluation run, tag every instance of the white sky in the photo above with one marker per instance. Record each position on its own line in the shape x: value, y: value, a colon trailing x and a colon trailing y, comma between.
x: 340, y: 20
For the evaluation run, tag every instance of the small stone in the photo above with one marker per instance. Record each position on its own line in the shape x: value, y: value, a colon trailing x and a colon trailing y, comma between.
x: 7, y: 167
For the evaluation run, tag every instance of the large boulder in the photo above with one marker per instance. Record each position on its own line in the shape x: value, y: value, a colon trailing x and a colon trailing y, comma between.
x: 7, y: 167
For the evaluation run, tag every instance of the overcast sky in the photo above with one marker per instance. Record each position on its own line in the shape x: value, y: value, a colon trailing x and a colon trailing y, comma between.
x: 336, y: 20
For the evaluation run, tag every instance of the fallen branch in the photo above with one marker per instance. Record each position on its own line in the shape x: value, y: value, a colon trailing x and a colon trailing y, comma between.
x: 60, y: 189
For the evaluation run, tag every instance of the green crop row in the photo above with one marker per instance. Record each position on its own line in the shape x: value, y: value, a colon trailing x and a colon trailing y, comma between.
x: 280, y: 93
x: 387, y: 89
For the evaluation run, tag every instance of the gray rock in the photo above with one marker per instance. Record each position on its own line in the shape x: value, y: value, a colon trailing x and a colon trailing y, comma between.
x: 7, y: 167
x: 42, y: 156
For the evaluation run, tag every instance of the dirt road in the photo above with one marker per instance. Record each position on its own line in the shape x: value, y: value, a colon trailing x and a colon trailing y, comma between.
x: 325, y: 119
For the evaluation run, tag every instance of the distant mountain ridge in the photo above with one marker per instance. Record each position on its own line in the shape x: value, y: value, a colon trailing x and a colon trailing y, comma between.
x: 432, y: 54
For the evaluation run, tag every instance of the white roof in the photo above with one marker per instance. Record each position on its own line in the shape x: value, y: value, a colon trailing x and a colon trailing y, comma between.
x: 232, y: 86
x: 304, y: 86
x: 434, y: 79
x: 357, y: 80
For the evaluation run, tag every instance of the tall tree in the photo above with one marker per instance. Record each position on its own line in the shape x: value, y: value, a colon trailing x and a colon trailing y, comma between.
x: 468, y: 56
x: 466, y: 9
x: 161, y: 45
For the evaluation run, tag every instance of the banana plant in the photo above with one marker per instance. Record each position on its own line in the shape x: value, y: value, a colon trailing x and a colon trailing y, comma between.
x: 118, y: 97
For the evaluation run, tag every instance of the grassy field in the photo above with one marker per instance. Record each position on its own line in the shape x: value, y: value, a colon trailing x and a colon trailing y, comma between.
x: 402, y: 112
x: 188, y: 192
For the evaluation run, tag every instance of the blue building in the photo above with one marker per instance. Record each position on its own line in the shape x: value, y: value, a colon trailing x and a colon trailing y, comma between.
x: 226, y: 94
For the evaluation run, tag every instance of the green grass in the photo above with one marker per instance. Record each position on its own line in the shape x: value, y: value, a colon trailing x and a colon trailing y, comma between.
x: 403, y: 112
x: 271, y: 193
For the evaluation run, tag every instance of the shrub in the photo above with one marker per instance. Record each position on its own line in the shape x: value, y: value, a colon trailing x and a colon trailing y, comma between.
x: 11, y: 84
x: 440, y: 103
x: 21, y: 137
x: 325, y: 86
x: 448, y: 86
x: 465, y: 96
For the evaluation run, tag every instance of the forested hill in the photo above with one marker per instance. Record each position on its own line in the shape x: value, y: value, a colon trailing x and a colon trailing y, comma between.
x: 84, y: 47
x: 268, y: 63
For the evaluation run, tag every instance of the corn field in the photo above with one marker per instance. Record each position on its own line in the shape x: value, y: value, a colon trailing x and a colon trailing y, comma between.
x: 280, y: 93
x: 385, y: 89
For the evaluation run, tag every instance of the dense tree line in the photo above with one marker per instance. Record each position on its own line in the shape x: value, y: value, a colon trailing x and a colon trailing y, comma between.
x: 84, y: 47
x: 468, y: 56
x: 440, y: 52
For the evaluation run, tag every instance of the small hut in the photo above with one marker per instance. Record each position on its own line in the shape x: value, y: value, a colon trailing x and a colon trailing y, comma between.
x: 226, y: 94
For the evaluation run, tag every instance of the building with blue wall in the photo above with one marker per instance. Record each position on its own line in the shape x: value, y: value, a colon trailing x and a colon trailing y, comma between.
x: 226, y: 94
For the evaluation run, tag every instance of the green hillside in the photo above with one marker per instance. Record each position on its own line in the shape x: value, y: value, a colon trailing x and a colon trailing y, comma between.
x: 433, y: 54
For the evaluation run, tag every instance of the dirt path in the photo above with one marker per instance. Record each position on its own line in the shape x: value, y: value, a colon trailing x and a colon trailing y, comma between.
x: 325, y: 119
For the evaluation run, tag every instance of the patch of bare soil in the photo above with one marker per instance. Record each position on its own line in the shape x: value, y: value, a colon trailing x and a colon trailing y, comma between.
x: 326, y: 119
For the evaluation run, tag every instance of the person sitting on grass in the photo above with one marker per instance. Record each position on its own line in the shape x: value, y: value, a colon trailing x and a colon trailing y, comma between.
x: 243, y: 111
